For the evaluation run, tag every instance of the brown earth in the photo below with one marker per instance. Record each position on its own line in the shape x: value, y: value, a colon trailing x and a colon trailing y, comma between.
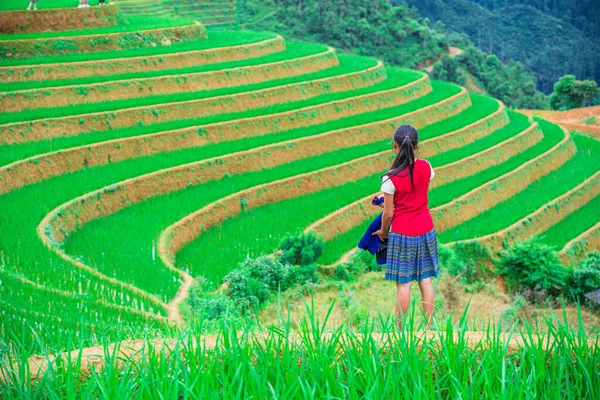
x: 573, y: 120
x: 160, y: 113
x: 452, y: 52
x: 61, y: 96
x: 548, y: 215
x: 101, y: 42
x: 42, y: 167
x: 60, y: 19
x: 77, y: 212
x: 116, y: 66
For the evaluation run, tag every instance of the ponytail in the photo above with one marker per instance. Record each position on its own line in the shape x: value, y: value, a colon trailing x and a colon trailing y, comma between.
x: 407, y: 137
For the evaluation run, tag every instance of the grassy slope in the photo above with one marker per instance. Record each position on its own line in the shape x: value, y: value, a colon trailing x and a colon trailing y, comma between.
x: 294, y: 50
x: 350, y: 64
x: 9, y: 5
x: 573, y: 225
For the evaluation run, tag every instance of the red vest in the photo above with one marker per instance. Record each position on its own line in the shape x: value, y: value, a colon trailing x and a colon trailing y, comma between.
x: 411, y: 210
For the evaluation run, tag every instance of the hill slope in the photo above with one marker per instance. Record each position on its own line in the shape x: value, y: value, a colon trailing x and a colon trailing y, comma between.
x: 548, y: 46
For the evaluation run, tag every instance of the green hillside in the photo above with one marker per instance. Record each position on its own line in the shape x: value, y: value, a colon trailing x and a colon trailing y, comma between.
x: 550, y: 38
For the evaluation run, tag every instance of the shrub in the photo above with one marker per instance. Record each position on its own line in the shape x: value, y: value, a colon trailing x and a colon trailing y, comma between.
x: 306, y: 273
x: 347, y: 271
x: 532, y: 265
x: 210, y: 307
x: 515, y: 314
x: 246, y: 292
x: 468, y: 261
x: 301, y: 248
x: 367, y: 261
x: 256, y: 279
x: 273, y: 273
x: 586, y: 276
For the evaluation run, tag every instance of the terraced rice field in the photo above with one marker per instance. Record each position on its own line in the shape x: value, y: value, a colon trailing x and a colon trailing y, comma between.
x: 129, y: 167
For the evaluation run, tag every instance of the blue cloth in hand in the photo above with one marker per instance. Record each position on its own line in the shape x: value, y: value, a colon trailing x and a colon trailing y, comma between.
x: 372, y: 243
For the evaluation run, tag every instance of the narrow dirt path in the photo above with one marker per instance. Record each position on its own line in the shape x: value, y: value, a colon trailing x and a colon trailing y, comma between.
x: 173, y: 312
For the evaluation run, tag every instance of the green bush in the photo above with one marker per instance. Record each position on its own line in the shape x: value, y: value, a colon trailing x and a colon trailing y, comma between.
x: 586, y: 276
x: 210, y: 307
x: 347, y: 271
x: 306, y: 273
x: 532, y: 265
x: 300, y: 248
x: 256, y: 280
x: 467, y: 261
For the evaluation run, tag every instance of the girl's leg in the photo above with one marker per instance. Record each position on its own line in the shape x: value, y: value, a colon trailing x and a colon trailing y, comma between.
x: 426, y: 287
x: 402, y: 301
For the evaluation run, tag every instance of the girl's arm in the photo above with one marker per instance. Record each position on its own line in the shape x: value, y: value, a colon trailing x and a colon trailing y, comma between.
x: 386, y: 220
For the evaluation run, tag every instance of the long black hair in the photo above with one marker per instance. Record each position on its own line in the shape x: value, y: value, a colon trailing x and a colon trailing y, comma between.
x: 407, y: 138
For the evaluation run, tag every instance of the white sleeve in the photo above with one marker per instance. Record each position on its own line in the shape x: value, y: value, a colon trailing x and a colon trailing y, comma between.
x: 432, y: 171
x: 387, y: 186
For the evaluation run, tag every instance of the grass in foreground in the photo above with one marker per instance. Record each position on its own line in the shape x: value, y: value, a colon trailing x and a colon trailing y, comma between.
x: 556, y: 360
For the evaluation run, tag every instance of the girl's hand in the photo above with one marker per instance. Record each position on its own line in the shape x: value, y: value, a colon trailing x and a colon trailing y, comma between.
x: 382, y: 235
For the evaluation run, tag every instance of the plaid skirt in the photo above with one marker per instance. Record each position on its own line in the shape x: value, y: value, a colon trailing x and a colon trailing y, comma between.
x: 412, y: 258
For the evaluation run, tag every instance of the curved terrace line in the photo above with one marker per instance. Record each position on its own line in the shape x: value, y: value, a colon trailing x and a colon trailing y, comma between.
x: 72, y: 296
x: 131, y: 88
x: 195, y: 169
x: 73, y: 159
x: 559, y: 154
x: 90, y: 67
x: 135, y: 291
x: 8, y: 132
x: 575, y: 248
x: 559, y: 208
x: 100, y: 35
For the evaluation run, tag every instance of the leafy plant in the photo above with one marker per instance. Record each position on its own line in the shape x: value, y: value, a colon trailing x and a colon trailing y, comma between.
x: 301, y: 248
x: 532, y: 265
x: 586, y: 276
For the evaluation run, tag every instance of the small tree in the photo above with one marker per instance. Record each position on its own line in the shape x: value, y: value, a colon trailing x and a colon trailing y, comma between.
x: 301, y: 248
x: 586, y: 276
x: 570, y: 93
x: 447, y: 70
x: 532, y: 265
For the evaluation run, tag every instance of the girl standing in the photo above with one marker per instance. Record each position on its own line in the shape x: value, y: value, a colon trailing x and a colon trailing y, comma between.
x: 412, y: 253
